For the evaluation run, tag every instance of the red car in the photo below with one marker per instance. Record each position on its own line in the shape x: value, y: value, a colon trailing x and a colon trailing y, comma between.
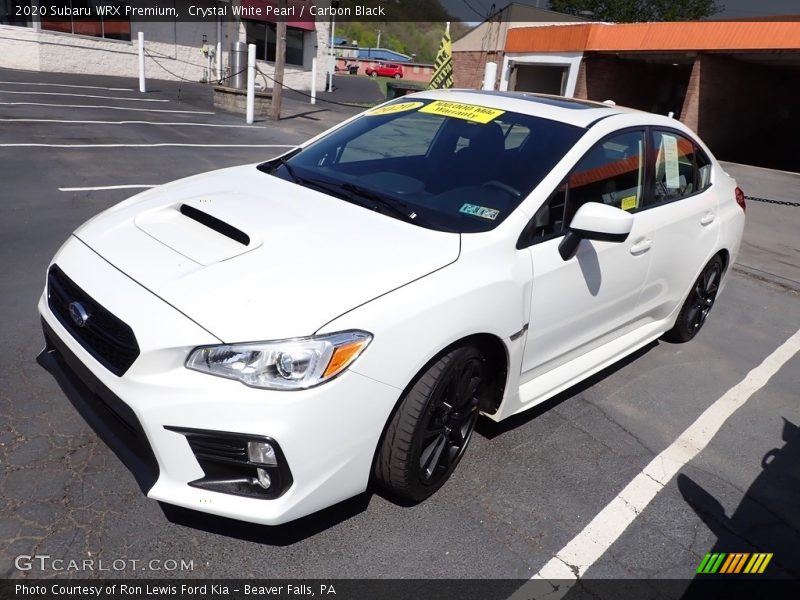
x: 385, y: 70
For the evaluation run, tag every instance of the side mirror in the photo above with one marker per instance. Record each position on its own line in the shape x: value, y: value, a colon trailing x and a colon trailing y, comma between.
x: 595, y: 221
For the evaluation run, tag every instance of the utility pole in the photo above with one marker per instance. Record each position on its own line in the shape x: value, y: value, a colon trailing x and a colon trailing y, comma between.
x: 280, y: 61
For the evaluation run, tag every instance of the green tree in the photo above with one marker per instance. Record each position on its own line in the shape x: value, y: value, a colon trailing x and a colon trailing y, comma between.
x: 632, y: 11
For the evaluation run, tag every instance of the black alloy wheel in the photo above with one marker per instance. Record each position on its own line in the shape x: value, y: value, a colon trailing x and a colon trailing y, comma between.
x: 698, y: 303
x: 431, y: 428
x: 454, y: 405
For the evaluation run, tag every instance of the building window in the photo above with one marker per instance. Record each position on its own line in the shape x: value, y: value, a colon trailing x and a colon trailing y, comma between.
x: 263, y: 36
x: 116, y: 28
x: 14, y: 12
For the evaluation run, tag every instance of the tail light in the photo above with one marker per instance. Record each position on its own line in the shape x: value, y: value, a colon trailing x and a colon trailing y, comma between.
x: 740, y: 199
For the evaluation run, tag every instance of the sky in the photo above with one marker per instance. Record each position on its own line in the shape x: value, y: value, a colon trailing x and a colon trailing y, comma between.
x: 477, y: 10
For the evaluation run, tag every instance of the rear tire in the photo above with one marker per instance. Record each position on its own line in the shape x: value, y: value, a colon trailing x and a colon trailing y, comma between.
x: 431, y: 428
x: 397, y: 76
x: 698, y: 303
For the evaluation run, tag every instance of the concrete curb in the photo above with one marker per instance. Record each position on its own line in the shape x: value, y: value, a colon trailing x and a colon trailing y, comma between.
x: 767, y: 277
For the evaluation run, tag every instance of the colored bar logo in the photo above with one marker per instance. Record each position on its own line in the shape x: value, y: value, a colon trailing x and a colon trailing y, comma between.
x: 734, y: 563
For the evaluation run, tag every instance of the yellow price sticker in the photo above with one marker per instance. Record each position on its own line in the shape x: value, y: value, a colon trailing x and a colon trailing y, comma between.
x: 390, y: 109
x: 457, y: 110
x: 629, y: 203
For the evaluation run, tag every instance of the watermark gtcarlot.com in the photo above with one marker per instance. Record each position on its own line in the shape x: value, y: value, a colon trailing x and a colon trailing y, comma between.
x: 47, y: 563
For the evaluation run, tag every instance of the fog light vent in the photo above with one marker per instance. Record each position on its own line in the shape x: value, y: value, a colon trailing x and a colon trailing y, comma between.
x: 238, y: 463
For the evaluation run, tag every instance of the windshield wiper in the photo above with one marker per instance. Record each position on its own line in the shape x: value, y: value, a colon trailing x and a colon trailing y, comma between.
x: 272, y: 164
x: 346, y: 191
x: 281, y: 161
x: 399, y: 209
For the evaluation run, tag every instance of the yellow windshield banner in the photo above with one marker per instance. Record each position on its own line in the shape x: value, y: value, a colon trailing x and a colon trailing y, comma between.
x: 394, y: 108
x: 457, y: 110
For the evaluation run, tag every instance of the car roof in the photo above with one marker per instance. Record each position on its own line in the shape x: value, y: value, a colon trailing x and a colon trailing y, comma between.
x: 581, y: 113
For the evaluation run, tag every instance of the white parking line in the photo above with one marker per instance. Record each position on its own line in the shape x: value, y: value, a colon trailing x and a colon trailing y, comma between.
x: 105, y: 187
x: 26, y: 93
x: 164, y: 145
x: 95, y: 106
x: 179, y: 124
x: 85, y: 87
x: 573, y: 560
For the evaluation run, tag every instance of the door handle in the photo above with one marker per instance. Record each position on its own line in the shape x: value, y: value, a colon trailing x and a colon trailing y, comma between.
x: 641, y: 246
x: 708, y: 218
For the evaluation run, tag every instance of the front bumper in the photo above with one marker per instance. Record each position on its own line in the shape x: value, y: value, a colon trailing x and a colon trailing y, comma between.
x: 327, y: 435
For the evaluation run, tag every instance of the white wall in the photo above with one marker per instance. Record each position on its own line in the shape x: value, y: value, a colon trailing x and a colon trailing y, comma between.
x: 174, y: 46
x: 571, y: 60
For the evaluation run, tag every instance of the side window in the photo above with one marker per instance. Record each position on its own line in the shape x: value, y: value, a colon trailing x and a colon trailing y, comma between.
x: 703, y: 169
x: 681, y: 169
x: 612, y: 172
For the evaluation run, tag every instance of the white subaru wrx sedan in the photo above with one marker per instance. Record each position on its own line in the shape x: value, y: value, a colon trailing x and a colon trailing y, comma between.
x: 263, y: 341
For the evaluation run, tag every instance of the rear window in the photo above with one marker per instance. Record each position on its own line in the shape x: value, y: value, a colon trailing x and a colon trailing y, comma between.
x: 455, y: 167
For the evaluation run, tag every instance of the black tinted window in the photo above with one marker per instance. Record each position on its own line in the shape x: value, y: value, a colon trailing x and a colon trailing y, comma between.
x: 612, y: 172
x: 681, y: 169
x: 431, y: 160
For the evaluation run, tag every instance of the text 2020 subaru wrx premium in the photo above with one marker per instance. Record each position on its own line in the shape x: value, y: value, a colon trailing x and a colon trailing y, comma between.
x: 261, y: 342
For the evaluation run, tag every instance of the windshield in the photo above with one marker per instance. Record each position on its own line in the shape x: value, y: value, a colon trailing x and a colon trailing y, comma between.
x: 437, y: 164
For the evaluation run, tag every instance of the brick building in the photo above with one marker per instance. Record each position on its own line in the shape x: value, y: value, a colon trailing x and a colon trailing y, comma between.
x: 737, y: 83
x: 486, y: 42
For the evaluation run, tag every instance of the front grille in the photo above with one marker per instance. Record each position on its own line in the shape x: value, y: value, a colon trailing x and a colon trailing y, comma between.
x: 103, y: 335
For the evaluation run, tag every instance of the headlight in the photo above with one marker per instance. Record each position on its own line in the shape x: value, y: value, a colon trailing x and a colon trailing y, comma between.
x: 284, y: 364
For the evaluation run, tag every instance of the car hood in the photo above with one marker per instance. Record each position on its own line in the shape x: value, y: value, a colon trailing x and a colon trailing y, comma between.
x: 249, y: 256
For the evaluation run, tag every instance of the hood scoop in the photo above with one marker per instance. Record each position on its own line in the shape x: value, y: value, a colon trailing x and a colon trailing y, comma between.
x: 197, y: 233
x: 216, y: 224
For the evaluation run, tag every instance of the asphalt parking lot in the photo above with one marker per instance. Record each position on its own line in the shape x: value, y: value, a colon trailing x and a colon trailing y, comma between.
x: 526, y: 488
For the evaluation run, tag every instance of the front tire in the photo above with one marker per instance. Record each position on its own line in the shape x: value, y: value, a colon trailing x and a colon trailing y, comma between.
x: 698, y: 303
x: 431, y: 428
x: 397, y: 76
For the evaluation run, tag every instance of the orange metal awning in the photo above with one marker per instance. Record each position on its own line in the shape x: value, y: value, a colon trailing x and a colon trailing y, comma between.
x: 641, y: 37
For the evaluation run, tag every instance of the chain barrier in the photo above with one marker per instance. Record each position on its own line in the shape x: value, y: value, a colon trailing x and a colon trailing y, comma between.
x: 307, y: 95
x: 768, y: 201
x: 215, y: 81
x: 258, y: 70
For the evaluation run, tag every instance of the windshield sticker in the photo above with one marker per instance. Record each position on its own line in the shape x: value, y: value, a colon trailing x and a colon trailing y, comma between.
x: 479, y: 211
x: 468, y: 112
x: 394, y: 108
x: 629, y: 203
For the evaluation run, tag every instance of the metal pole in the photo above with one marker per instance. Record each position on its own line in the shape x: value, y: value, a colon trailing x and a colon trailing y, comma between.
x: 251, y: 82
x: 314, y: 80
x: 142, y: 87
x: 333, y: 56
x: 280, y: 63
x: 219, y: 61
x: 218, y: 64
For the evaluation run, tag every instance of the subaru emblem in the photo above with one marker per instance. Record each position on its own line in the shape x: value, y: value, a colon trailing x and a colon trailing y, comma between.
x: 78, y: 313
